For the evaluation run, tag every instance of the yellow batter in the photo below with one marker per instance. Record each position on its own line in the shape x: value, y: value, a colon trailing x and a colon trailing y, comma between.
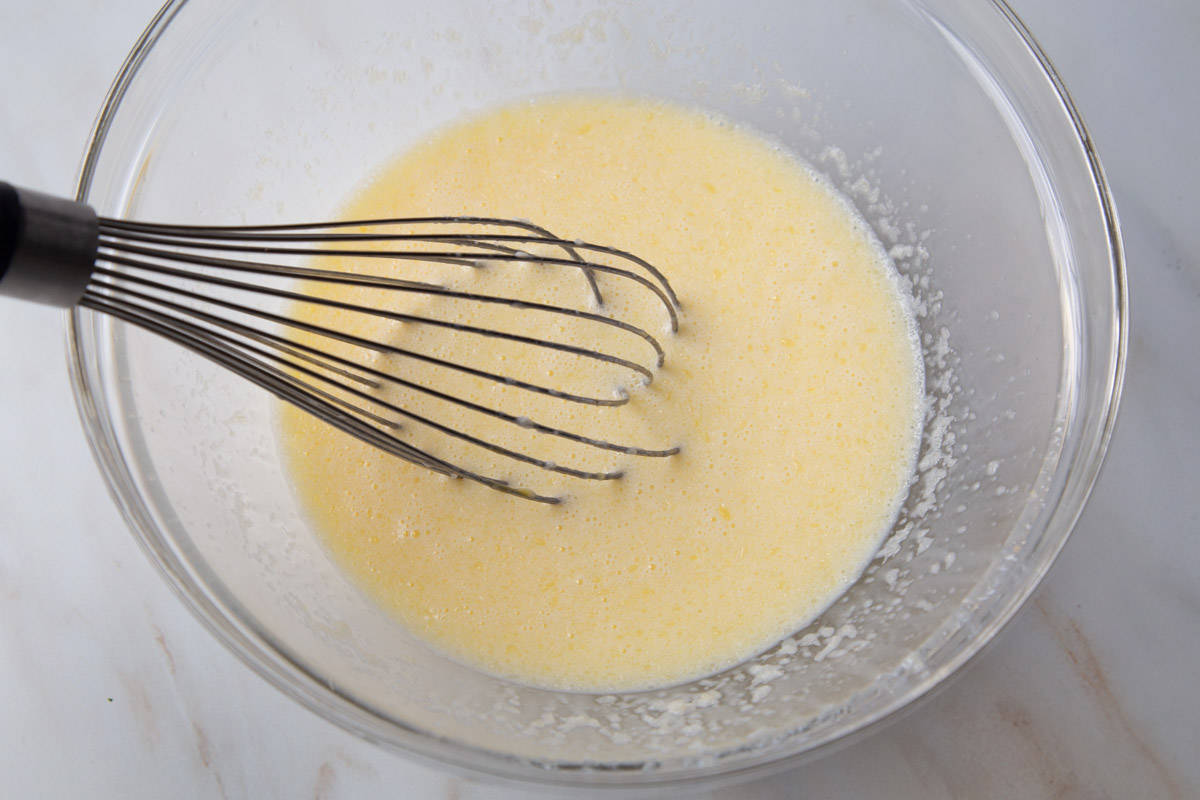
x: 793, y: 387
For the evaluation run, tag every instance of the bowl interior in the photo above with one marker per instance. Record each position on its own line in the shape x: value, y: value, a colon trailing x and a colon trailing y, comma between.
x: 943, y: 127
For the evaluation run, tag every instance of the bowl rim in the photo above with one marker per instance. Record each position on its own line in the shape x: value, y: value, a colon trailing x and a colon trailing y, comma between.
x: 313, y: 693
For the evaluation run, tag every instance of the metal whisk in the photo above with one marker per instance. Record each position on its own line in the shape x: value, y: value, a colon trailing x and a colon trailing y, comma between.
x: 177, y: 281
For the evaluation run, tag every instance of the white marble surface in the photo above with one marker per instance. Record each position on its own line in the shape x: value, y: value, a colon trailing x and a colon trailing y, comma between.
x: 109, y: 688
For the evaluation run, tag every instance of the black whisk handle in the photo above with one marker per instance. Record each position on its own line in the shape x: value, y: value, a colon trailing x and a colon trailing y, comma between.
x: 47, y: 246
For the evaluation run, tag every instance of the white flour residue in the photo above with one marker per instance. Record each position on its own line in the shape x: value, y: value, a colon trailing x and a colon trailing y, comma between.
x: 751, y: 702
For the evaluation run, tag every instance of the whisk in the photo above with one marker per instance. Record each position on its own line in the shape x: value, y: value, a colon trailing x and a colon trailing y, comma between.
x: 177, y: 280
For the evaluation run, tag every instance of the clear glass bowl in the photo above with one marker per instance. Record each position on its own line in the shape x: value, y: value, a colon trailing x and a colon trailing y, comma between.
x: 941, y: 120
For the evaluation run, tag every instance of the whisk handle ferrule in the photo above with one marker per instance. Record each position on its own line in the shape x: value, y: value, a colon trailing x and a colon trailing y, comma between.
x: 47, y: 246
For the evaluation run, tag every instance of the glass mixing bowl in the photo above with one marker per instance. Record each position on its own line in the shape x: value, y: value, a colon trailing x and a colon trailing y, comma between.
x: 943, y: 123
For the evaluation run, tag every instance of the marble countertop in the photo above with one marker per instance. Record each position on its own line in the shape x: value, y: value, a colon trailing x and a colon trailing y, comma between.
x: 109, y: 688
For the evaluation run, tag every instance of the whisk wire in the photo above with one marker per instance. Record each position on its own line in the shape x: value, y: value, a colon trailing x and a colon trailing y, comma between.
x: 659, y: 286
x: 367, y: 281
x: 252, y: 230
